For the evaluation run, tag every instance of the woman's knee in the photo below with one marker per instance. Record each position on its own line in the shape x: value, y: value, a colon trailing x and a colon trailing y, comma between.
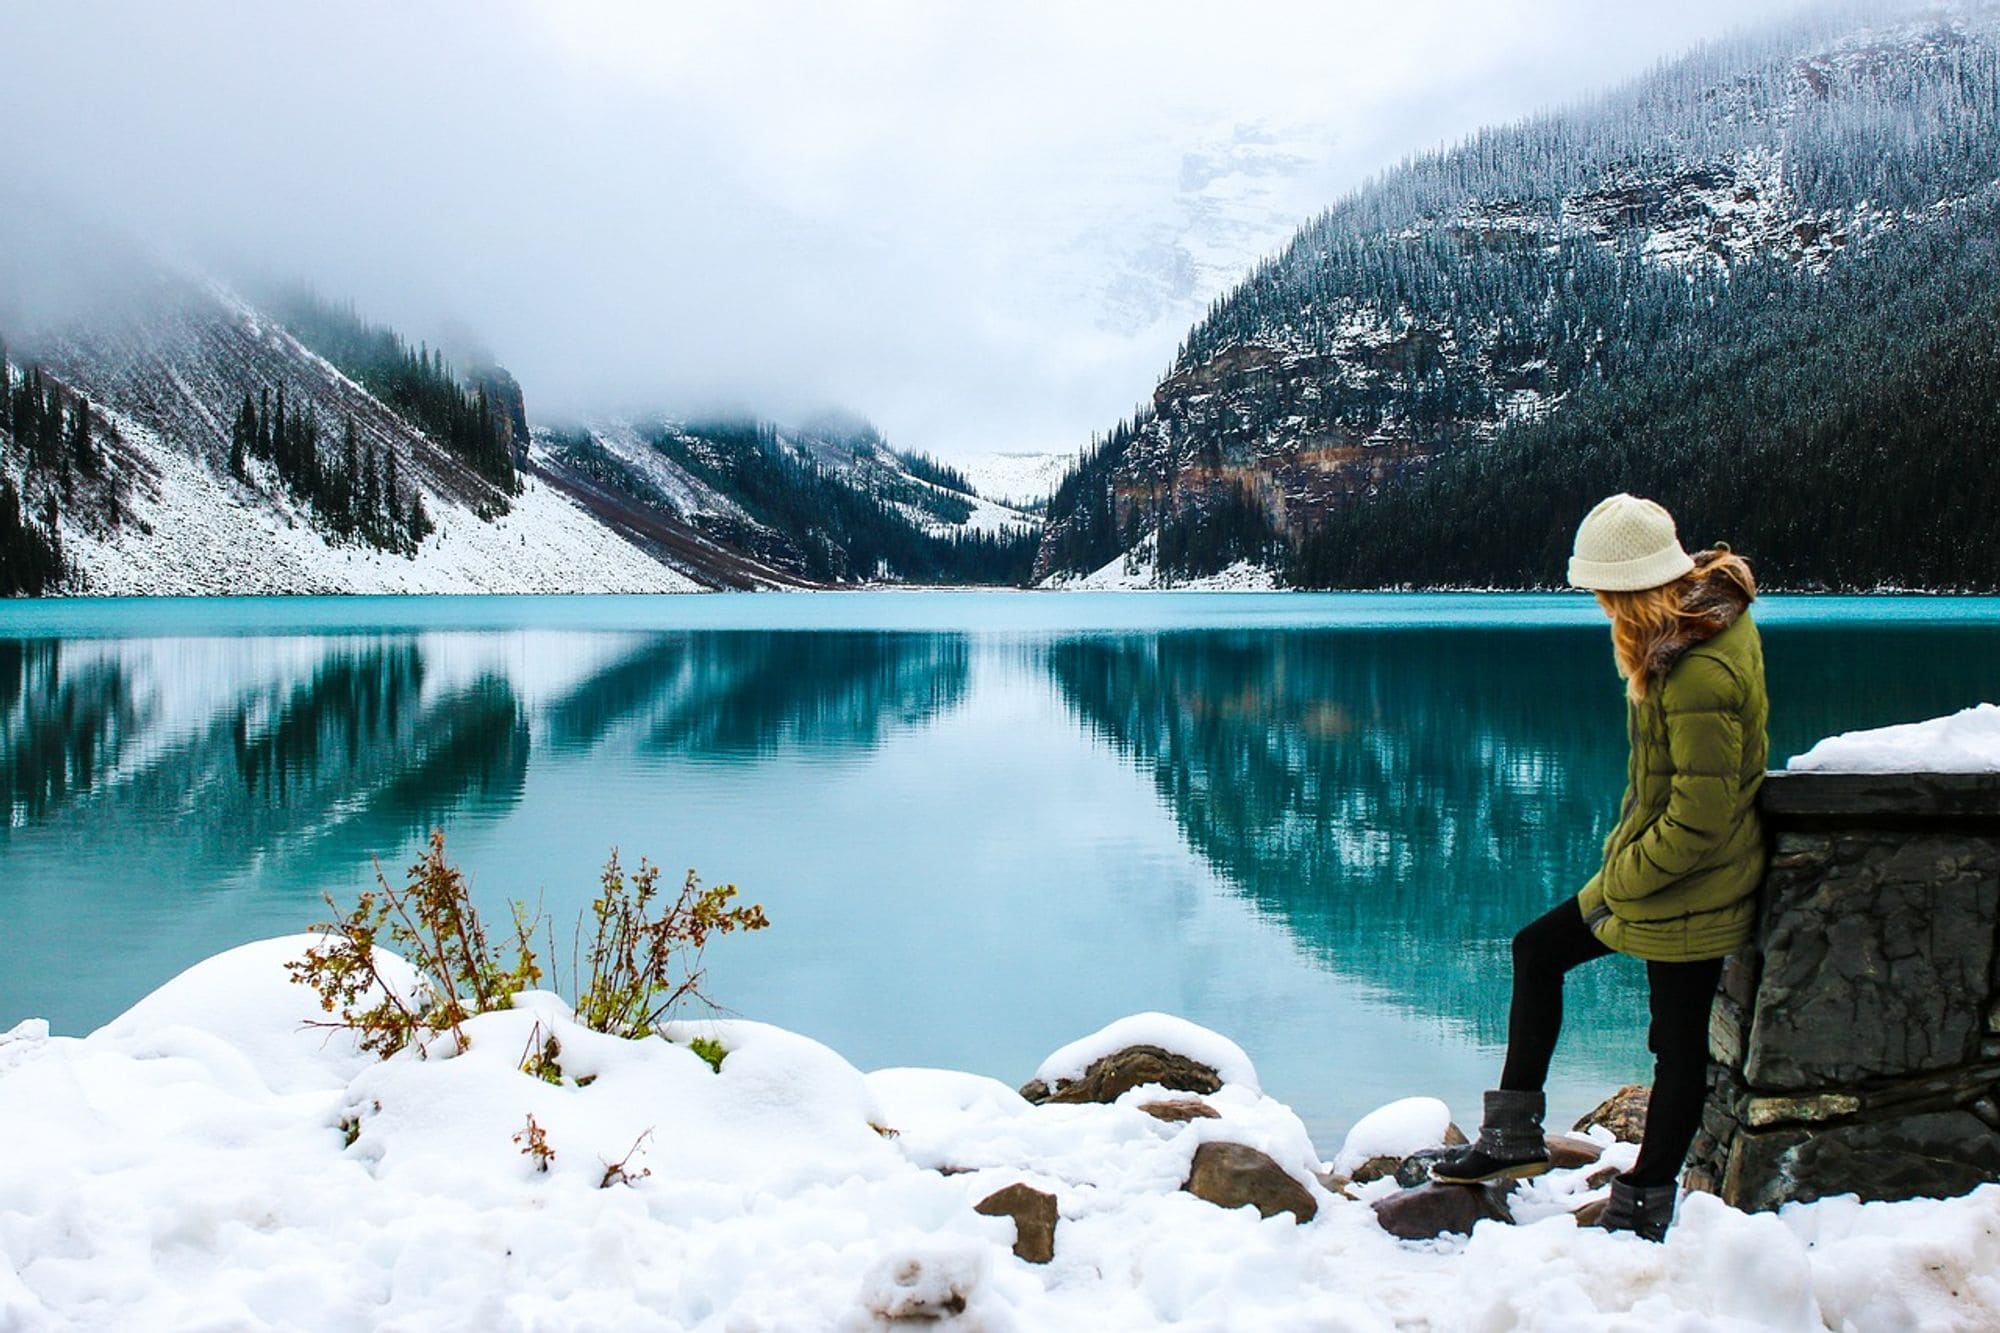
x: 1532, y: 949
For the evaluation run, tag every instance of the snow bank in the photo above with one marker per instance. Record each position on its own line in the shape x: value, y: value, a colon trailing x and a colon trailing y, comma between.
x: 202, y: 1163
x: 241, y: 1012
x: 1968, y: 741
x: 1178, y: 1035
x: 1395, y: 1130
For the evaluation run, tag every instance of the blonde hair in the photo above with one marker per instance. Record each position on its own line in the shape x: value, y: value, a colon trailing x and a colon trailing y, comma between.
x: 1643, y: 621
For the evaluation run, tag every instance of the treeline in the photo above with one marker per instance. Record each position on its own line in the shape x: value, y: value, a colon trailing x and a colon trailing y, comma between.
x: 63, y: 465
x: 1843, y: 431
x: 1212, y: 531
x: 31, y: 558
x: 935, y: 471
x: 826, y: 529
x: 355, y: 491
x: 1084, y: 531
x: 417, y: 382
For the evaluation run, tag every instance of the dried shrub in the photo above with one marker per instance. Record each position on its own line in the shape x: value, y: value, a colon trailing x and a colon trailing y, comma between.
x: 432, y: 923
x: 644, y: 958
x: 645, y: 952
x: 534, y: 1141
x: 621, y: 1172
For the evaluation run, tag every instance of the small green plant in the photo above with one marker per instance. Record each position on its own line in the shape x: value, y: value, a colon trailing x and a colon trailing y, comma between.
x: 543, y: 1059
x: 709, y: 1049
x: 644, y: 959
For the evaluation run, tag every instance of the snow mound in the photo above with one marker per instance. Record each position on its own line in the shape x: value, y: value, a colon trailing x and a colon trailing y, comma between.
x: 1396, y: 1130
x: 242, y: 1008
x: 1167, y: 1032
x: 1967, y: 741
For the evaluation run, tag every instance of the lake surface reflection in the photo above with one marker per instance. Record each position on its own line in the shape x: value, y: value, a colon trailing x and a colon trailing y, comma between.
x: 983, y: 824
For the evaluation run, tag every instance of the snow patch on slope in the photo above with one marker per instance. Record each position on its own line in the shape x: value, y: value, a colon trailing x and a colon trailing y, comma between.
x: 1138, y: 571
x: 1016, y: 478
x: 211, y: 536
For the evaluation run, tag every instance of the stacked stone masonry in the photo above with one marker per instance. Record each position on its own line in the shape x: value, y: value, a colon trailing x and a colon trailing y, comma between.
x: 1856, y: 1041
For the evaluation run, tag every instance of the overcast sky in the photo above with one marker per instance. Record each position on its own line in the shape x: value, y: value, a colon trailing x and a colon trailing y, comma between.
x: 985, y: 227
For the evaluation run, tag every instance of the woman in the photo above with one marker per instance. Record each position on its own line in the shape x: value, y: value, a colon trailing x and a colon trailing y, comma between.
x: 1681, y: 868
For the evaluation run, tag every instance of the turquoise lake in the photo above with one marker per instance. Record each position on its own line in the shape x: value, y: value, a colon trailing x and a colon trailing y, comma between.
x: 983, y: 823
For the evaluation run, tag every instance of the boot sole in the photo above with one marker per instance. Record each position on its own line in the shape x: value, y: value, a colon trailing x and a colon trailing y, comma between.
x: 1520, y: 1171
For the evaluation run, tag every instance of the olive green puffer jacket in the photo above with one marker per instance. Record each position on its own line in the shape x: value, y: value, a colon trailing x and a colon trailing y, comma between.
x: 1682, y: 867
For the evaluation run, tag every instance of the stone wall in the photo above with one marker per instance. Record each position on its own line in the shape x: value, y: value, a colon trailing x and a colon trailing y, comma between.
x: 1856, y: 1042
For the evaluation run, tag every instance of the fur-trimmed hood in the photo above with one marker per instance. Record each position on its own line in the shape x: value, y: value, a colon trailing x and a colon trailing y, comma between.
x: 1713, y: 601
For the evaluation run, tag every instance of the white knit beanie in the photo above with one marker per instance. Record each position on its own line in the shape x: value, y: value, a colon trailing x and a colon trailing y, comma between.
x: 1626, y: 544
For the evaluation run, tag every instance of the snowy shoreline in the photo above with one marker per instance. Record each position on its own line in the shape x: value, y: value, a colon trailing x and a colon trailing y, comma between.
x: 206, y: 1159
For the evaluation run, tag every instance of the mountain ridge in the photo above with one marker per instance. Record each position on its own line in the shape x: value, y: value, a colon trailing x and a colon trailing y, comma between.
x: 1490, y: 292
x: 295, y: 447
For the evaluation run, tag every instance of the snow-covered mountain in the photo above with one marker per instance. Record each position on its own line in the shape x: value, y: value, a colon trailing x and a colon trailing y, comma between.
x: 165, y: 379
x: 1758, y: 197
x: 753, y: 504
x: 193, y: 442
x: 1023, y: 479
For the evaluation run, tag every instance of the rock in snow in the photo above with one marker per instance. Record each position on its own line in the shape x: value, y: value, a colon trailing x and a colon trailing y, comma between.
x: 1164, y: 1031
x: 1623, y: 1113
x: 1430, y: 1210
x: 1034, y: 1214
x: 204, y: 1162
x: 1231, y: 1175
x: 1112, y: 1076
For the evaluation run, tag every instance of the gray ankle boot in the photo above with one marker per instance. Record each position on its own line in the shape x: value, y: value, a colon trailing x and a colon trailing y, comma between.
x: 1643, y: 1210
x: 1509, y: 1147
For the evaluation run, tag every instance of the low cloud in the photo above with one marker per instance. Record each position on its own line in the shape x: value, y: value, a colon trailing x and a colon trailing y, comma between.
x: 983, y: 229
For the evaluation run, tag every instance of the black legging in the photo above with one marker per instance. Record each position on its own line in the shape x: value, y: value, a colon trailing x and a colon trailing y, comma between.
x: 1680, y: 996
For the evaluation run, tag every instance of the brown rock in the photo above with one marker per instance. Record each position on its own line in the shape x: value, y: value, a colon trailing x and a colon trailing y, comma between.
x: 1601, y: 1177
x: 1591, y: 1213
x: 1034, y: 1214
x: 1113, y: 1075
x: 1569, y: 1151
x: 1375, y: 1168
x: 1623, y: 1113
x: 1179, y: 1109
x: 1454, y: 1137
x: 1433, y: 1210
x: 1230, y: 1175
